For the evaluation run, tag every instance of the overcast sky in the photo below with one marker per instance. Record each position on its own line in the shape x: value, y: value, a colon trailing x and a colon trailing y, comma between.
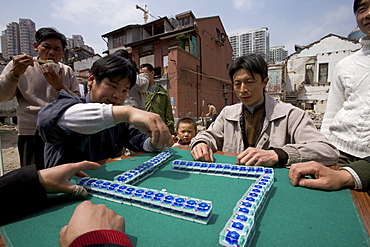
x: 290, y: 22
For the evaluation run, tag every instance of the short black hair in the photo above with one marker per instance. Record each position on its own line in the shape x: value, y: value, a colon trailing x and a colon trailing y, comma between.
x: 254, y: 63
x: 49, y: 33
x: 148, y: 66
x: 112, y: 66
x: 186, y: 120
x: 125, y: 54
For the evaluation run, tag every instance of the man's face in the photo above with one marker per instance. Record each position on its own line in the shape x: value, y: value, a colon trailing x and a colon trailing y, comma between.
x: 363, y: 16
x: 186, y: 131
x: 145, y: 70
x: 50, y: 49
x: 249, y: 90
x: 109, y: 91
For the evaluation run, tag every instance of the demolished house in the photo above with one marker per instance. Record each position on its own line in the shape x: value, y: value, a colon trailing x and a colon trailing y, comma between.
x: 309, y: 72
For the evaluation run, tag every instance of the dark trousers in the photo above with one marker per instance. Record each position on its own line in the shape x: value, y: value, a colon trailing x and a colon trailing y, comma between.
x: 31, y: 151
x: 213, y: 117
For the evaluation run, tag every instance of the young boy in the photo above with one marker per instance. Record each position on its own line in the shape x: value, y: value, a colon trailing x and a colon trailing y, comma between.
x: 97, y: 126
x: 186, y: 129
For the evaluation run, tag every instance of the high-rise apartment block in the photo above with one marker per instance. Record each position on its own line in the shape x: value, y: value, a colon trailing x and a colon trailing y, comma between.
x: 252, y: 41
x: 27, y: 30
x: 10, y: 46
x: 78, y: 41
x: 277, y: 54
x: 18, y: 38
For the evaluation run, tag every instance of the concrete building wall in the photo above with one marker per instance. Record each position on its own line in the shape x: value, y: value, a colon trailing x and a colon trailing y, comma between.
x: 295, y: 71
x: 330, y: 43
x: 275, y: 84
x: 183, y: 85
x: 304, y: 76
x: 331, y: 58
x: 311, y: 93
x: 216, y: 59
x: 330, y: 50
x: 85, y: 63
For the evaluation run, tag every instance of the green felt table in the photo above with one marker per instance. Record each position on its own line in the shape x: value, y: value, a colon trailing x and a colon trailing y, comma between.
x: 292, y: 216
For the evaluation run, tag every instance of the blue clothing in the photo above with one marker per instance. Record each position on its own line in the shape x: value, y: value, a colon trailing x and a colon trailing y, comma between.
x: 66, y: 146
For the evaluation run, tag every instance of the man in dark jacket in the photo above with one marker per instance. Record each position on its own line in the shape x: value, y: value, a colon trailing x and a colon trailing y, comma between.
x: 97, y: 126
x: 89, y: 224
x: 157, y: 99
x: 353, y: 175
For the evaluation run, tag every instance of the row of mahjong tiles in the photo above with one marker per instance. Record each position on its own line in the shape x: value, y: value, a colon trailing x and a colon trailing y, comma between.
x: 238, y: 230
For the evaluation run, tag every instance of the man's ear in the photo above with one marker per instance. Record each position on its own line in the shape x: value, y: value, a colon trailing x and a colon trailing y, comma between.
x: 265, y: 81
x: 35, y: 46
x: 91, y: 80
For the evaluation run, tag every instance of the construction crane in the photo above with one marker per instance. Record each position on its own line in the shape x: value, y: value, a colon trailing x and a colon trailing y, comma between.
x: 146, y: 12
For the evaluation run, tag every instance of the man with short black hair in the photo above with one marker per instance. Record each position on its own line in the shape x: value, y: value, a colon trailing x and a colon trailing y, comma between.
x: 36, y: 84
x: 263, y: 131
x: 97, y: 126
x: 157, y: 99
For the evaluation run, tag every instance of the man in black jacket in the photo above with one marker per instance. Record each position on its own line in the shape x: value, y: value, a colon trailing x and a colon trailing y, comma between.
x: 29, y: 186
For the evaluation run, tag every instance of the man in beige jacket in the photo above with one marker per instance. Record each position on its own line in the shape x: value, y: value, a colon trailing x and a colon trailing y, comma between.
x: 263, y: 131
x: 36, y: 84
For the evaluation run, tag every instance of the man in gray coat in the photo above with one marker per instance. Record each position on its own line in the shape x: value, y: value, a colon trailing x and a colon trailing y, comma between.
x: 263, y: 131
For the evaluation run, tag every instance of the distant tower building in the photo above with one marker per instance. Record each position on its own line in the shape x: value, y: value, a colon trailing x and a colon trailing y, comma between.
x: 18, y: 38
x: 252, y: 41
x: 12, y: 41
x: 234, y: 42
x: 277, y: 54
x: 70, y: 44
x: 78, y: 41
x: 27, y: 30
x: 3, y: 45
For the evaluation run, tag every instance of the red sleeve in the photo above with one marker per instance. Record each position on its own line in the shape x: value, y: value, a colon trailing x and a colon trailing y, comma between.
x: 102, y: 237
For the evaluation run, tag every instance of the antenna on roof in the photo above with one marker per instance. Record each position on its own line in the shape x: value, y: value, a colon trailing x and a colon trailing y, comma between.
x: 146, y: 12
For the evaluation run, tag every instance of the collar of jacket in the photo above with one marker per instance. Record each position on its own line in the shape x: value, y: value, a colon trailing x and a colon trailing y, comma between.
x: 270, y: 105
x: 158, y: 90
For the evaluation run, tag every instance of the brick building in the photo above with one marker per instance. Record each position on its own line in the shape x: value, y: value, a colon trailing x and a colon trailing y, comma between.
x: 191, y: 57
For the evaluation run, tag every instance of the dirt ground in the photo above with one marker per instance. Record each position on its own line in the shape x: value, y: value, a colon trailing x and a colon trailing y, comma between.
x: 10, y: 157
